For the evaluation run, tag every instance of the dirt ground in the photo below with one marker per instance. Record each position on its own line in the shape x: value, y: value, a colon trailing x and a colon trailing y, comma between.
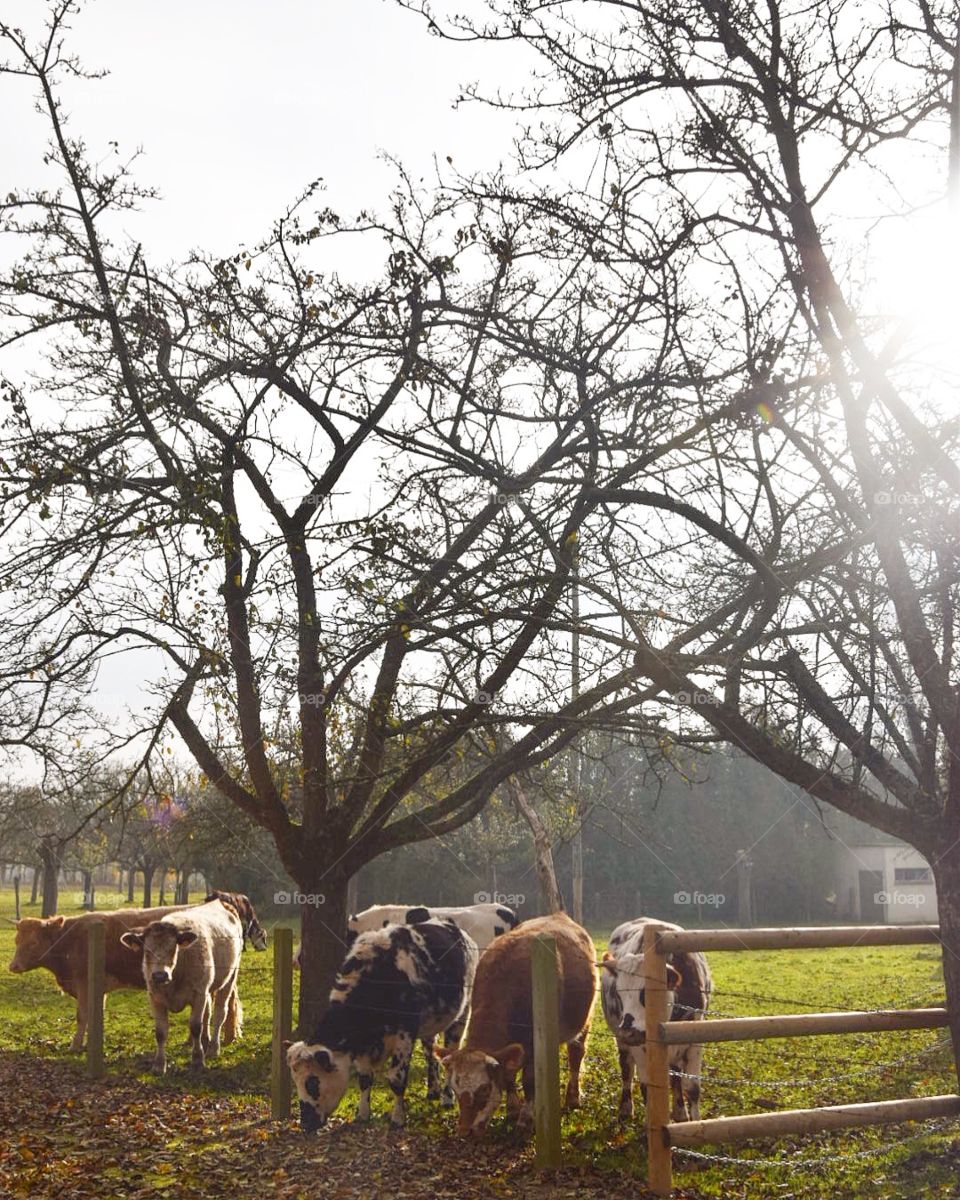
x: 63, y: 1137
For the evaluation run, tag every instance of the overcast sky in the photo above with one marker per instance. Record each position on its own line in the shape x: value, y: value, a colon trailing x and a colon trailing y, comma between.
x: 238, y: 104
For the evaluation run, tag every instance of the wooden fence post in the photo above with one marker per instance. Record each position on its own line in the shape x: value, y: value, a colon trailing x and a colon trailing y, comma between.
x: 280, y: 1091
x: 659, y: 1159
x: 95, y: 982
x: 546, y: 1049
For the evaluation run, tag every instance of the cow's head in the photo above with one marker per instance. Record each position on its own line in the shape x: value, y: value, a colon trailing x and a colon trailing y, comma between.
x: 629, y: 972
x: 35, y: 938
x: 478, y: 1081
x: 161, y: 943
x: 321, y: 1077
x: 257, y: 934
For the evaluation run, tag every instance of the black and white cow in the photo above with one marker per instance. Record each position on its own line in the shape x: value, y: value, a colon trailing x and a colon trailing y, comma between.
x: 396, y: 984
x: 622, y: 994
x: 481, y: 922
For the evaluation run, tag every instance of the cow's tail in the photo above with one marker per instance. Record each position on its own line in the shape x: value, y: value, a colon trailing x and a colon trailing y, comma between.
x: 233, y: 1025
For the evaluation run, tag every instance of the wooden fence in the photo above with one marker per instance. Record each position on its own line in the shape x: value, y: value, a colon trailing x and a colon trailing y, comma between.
x: 663, y: 1134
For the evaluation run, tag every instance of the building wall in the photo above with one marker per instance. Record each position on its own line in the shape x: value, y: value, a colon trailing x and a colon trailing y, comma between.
x: 880, y: 883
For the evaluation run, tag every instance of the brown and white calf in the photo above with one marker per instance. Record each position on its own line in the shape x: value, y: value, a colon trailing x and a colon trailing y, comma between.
x: 191, y: 958
x: 499, y: 1039
x: 622, y: 994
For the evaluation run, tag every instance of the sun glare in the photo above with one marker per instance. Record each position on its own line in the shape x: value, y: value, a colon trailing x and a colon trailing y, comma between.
x: 915, y: 272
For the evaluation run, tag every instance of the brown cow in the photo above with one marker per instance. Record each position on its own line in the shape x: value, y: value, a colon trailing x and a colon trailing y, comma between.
x: 60, y: 944
x: 499, y: 1037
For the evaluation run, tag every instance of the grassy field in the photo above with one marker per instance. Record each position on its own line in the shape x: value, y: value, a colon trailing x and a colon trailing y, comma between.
x: 747, y: 1077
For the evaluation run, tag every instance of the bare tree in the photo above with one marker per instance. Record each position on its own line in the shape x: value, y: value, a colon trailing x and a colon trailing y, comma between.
x: 352, y: 506
x: 758, y: 140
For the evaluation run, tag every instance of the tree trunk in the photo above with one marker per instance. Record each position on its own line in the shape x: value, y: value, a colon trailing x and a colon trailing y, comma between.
x: 946, y: 872
x: 131, y: 883
x: 50, y: 859
x: 148, y: 886
x: 542, y: 850
x: 323, y: 928
x: 161, y: 899
x: 34, y: 886
x: 89, y: 895
x: 353, y: 891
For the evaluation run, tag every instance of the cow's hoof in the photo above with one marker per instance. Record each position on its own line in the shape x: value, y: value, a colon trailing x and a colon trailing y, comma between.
x: 75, y: 1048
x: 397, y: 1126
x: 433, y: 1097
x: 159, y: 1068
x: 197, y: 1064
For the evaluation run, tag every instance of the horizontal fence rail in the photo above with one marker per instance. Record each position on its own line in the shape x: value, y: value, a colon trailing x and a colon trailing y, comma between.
x: 741, y: 1029
x: 797, y: 938
x: 664, y: 1134
x: 809, y: 1120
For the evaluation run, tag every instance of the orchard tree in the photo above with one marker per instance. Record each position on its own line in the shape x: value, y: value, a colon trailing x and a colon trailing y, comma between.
x: 765, y: 143
x: 353, y: 504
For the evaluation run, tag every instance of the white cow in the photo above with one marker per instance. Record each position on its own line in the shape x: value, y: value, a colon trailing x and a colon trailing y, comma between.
x: 482, y: 922
x: 191, y: 957
x: 622, y: 994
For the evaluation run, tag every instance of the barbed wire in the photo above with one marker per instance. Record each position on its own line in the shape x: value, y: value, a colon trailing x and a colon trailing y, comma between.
x: 820, y: 1160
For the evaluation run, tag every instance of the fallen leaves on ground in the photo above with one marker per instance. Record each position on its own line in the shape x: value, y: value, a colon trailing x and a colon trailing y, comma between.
x: 122, y: 1138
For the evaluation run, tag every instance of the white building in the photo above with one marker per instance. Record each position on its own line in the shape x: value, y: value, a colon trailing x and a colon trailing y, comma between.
x: 886, y: 881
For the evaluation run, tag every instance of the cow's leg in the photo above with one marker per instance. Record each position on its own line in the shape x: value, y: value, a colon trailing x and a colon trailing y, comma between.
x: 218, y: 1017
x: 691, y: 1086
x: 77, y: 1043
x: 640, y: 1062
x: 161, y: 1027
x: 233, y: 1026
x: 199, y: 1013
x: 511, y: 1095
x: 525, y: 1115
x: 678, y: 1112
x: 397, y: 1073
x: 575, y: 1052
x: 433, y: 1069
x: 626, y: 1084
x: 365, y: 1081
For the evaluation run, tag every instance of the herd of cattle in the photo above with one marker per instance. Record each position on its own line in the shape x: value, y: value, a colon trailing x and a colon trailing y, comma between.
x: 410, y: 974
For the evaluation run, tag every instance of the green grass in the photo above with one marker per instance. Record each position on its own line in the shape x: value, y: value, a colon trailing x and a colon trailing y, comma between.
x: 34, y: 1016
